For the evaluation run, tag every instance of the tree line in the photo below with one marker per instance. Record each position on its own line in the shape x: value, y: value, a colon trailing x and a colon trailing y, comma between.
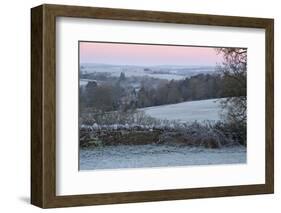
x: 198, y: 87
x: 120, y: 95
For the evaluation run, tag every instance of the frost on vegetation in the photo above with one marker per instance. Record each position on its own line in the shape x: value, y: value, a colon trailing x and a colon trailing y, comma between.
x: 136, y: 125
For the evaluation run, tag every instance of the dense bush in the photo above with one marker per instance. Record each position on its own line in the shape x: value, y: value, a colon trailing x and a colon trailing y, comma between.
x: 128, y: 118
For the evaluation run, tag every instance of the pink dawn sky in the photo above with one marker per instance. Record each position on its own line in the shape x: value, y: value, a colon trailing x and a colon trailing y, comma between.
x: 148, y: 55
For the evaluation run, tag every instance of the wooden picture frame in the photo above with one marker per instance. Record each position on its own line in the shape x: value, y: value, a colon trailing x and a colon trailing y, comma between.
x: 43, y: 105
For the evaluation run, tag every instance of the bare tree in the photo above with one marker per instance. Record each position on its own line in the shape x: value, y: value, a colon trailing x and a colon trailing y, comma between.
x: 234, y: 71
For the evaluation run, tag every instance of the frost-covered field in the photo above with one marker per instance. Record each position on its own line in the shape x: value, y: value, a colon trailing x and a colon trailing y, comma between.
x: 84, y: 82
x: 141, y: 156
x: 168, y: 72
x: 187, y: 111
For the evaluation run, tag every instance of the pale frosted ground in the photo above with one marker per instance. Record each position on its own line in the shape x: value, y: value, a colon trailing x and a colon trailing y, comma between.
x: 187, y: 111
x: 141, y: 156
x: 173, y: 72
x: 135, y: 71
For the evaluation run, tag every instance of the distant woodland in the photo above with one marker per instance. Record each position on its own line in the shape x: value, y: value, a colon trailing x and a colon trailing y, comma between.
x: 119, y: 94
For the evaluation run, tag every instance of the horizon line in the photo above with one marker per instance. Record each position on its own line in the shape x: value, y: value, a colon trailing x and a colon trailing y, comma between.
x: 154, y: 65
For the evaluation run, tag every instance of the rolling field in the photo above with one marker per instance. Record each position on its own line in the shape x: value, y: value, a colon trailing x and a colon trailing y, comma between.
x: 187, y: 111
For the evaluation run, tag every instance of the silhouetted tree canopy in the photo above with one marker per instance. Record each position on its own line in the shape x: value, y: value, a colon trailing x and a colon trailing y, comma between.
x: 234, y: 72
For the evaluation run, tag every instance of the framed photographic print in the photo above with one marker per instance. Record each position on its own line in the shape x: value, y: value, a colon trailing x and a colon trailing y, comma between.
x: 136, y: 106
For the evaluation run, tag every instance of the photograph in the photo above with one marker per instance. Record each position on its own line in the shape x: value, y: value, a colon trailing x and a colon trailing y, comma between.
x: 161, y: 105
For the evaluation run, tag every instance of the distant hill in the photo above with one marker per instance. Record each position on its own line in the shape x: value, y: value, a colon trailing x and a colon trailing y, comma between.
x: 159, y: 71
